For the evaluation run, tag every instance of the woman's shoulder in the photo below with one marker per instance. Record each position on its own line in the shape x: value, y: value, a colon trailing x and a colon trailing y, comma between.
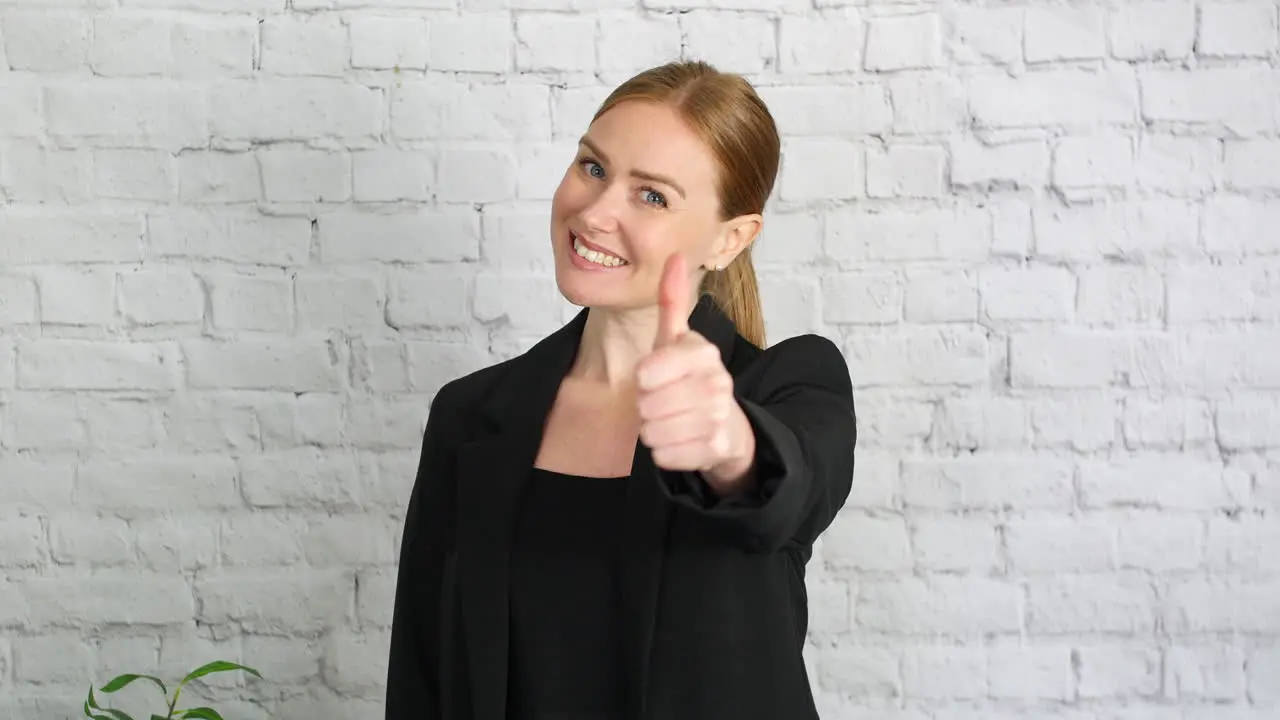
x: 797, y: 355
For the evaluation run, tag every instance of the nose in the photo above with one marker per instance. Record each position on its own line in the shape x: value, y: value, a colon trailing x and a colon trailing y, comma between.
x: 600, y: 215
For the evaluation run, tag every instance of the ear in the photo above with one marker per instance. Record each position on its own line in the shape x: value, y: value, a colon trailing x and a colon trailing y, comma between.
x: 736, y: 236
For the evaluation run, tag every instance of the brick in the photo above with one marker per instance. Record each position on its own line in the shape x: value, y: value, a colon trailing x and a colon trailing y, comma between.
x: 872, y: 297
x: 913, y: 171
x: 1115, y: 296
x: 300, y: 366
x: 431, y: 365
x: 1062, y: 97
x: 412, y: 236
x: 296, y: 110
x: 18, y: 304
x: 1031, y: 293
x: 755, y: 50
x: 1050, y: 543
x: 219, y: 49
x: 919, y: 357
x: 479, y: 43
x: 626, y: 44
x: 897, y: 235
x: 36, y: 484
x: 885, y: 545
x: 926, y: 104
x: 1155, y: 481
x: 136, y: 46
x: 129, y: 112
x: 210, y: 422
x: 1018, y: 164
x: 1160, y: 542
x: 70, y: 296
x: 940, y: 296
x: 144, y: 175
x: 294, y: 602
x: 820, y: 45
x: 1252, y: 164
x: 1147, y: 229
x: 1170, y: 424
x: 333, y: 301
x: 942, y: 672
x: 955, y: 543
x: 1239, y: 226
x: 1072, y: 604
x: 1091, y: 162
x: 1228, y: 96
x: 218, y: 177
x: 791, y: 307
x: 868, y: 672
x: 1080, y: 422
x: 554, y: 43
x: 821, y: 170
x: 386, y: 43
x: 522, y: 302
x: 391, y: 175
x: 122, y: 424
x: 57, y: 658
x: 950, y: 606
x: 356, y: 662
x: 1110, y: 671
x: 1245, y: 29
x: 305, y: 44
x: 1215, y: 672
x: 44, y: 422
x: 1221, y: 605
x: 1163, y: 30
x: 261, y: 540
x: 147, y: 485
x: 476, y: 175
x: 1030, y: 672
x: 302, y: 478
x: 1223, y: 292
x: 233, y: 236
x: 20, y: 108
x: 1186, y: 166
x: 903, y: 42
x: 239, y: 6
x: 48, y: 42
x: 517, y: 239
x: 1055, y: 34
x: 978, y: 422
x: 379, y: 366
x: 161, y: 296
x: 471, y: 111
x: 1261, y: 670
x: 430, y: 298
x: 90, y: 365
x: 845, y: 110
x: 292, y: 174
x: 248, y: 302
x: 986, y: 35
x: 22, y: 540
x: 97, y: 541
x: 1248, y: 422
x: 35, y: 175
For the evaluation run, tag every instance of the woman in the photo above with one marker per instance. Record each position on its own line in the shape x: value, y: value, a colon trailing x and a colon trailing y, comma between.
x: 616, y: 523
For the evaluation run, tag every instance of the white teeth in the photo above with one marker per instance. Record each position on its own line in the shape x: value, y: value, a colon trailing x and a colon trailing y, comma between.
x: 598, y: 258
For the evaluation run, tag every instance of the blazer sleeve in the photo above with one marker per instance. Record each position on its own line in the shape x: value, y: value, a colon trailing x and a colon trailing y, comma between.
x: 800, y: 406
x: 413, y: 670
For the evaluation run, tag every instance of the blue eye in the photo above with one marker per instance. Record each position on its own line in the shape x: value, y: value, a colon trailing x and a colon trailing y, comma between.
x: 653, y: 197
x: 592, y: 167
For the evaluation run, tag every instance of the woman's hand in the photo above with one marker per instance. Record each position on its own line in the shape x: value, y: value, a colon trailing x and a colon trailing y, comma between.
x: 689, y: 417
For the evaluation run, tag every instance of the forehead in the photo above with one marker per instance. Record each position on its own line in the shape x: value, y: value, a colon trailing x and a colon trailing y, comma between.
x: 651, y: 137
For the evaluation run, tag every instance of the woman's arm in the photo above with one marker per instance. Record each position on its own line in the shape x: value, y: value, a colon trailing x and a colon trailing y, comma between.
x: 798, y: 400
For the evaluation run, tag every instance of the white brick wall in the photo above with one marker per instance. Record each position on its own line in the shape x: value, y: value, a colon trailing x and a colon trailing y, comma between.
x: 243, y: 242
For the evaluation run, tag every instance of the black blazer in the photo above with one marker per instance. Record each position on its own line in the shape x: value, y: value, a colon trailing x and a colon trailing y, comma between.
x: 715, y: 605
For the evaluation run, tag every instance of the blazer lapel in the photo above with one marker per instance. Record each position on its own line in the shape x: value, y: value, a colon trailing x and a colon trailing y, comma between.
x: 492, y: 471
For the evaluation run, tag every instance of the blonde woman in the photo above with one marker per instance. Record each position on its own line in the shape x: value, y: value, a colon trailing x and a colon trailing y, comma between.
x: 616, y: 523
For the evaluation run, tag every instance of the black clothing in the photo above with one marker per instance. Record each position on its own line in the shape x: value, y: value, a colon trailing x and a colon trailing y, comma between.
x: 565, y: 630
x: 713, y: 602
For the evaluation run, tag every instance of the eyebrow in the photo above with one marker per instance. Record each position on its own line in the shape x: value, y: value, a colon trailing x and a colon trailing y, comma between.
x: 642, y: 174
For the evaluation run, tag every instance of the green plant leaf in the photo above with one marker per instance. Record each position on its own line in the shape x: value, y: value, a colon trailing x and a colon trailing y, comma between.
x: 116, y: 714
x: 201, y: 713
x: 123, y: 680
x: 217, y: 666
x: 158, y: 717
x: 90, y: 702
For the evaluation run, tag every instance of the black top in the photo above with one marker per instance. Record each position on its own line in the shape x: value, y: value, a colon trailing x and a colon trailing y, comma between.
x: 565, y: 636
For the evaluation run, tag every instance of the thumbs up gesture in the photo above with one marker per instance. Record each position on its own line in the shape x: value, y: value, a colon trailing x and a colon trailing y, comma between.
x: 689, y: 417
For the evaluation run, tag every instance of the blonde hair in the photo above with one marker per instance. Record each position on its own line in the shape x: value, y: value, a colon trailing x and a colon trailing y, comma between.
x: 726, y: 113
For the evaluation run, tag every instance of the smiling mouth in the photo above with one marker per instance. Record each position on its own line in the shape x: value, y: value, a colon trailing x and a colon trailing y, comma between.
x: 592, y: 255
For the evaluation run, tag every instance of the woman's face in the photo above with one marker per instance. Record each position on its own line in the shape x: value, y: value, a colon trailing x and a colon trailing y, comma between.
x: 641, y: 187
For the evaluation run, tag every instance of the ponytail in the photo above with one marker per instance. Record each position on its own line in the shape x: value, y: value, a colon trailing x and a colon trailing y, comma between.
x: 737, y: 293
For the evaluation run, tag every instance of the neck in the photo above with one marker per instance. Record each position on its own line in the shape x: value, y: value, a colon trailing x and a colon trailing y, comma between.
x: 613, y: 344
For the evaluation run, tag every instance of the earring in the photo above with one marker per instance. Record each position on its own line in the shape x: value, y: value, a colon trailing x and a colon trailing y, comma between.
x: 719, y: 267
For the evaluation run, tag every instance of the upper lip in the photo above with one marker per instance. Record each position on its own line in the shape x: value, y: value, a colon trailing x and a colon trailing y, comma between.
x: 592, y: 246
